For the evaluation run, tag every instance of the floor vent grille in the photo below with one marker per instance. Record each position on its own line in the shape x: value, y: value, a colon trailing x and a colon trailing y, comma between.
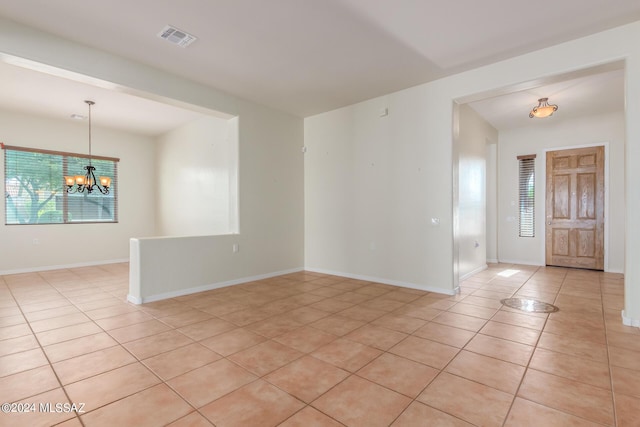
x: 529, y: 305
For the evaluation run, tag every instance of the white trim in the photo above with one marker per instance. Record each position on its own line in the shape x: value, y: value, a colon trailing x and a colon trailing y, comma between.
x: 203, y: 288
x: 492, y: 261
x: 471, y: 273
x: 134, y: 300
x: 507, y: 261
x: 515, y: 261
x: 387, y: 281
x: 63, y: 267
x: 629, y: 321
x: 606, y: 193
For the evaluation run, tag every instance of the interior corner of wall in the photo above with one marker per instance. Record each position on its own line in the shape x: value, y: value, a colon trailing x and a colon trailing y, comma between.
x: 134, y: 300
x: 629, y: 321
x: 135, y: 285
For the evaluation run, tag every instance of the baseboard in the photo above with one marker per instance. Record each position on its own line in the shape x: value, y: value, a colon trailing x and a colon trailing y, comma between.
x: 181, y: 292
x: 629, y: 321
x: 134, y: 300
x: 386, y: 281
x: 62, y: 267
x: 515, y: 261
x: 471, y: 273
x: 510, y: 261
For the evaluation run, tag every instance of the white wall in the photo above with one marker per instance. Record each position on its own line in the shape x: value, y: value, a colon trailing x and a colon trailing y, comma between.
x: 270, y: 241
x: 271, y: 207
x: 420, y: 179
x: 474, y: 132
x: 196, y: 176
x: 59, y: 244
x: 371, y: 188
x: 550, y: 134
x: 416, y: 187
x: 492, y: 201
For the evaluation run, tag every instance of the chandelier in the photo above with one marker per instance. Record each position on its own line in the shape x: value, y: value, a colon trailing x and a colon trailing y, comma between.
x: 543, y: 109
x: 88, y: 182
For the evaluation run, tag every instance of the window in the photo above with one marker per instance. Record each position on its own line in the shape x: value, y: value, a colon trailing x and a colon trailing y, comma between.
x: 527, y: 190
x: 35, y: 192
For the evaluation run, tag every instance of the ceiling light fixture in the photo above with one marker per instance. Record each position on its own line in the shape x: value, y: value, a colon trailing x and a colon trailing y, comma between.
x: 80, y: 183
x: 543, y: 109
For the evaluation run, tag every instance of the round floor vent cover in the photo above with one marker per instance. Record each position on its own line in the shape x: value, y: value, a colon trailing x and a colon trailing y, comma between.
x: 529, y: 305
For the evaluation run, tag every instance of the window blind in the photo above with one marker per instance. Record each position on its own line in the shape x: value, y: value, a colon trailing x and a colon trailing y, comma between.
x: 35, y: 192
x: 526, y: 190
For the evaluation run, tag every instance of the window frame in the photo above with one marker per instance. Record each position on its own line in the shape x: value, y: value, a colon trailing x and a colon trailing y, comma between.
x: 527, y: 196
x: 113, y: 189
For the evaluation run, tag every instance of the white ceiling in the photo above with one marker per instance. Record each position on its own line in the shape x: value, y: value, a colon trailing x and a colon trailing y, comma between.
x: 42, y: 94
x: 597, y: 92
x: 310, y: 56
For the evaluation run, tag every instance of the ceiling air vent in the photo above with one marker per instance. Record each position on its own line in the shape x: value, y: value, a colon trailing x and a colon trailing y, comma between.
x: 176, y: 36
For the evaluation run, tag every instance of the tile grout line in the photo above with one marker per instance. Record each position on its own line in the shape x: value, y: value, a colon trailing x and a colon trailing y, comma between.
x: 138, y: 360
x: 119, y: 344
x: 351, y: 374
x: 355, y: 373
x: 535, y: 347
x: 91, y: 320
x: 555, y: 375
x: 443, y: 369
x: 262, y: 377
x: 258, y: 377
x: 608, y: 358
x: 162, y: 381
x: 77, y: 415
x: 367, y: 322
x: 609, y: 366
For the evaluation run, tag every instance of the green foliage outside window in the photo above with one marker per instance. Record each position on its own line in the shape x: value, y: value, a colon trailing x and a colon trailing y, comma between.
x: 35, y: 192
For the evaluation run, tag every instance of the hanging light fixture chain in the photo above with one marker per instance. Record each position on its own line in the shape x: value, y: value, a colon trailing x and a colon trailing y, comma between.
x: 89, y: 103
x: 88, y: 182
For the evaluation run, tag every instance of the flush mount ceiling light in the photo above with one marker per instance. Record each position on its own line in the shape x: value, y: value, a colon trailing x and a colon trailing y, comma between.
x: 88, y: 183
x: 543, y: 109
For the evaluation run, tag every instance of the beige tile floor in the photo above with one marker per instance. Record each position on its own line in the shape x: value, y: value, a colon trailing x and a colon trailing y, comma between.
x: 308, y: 349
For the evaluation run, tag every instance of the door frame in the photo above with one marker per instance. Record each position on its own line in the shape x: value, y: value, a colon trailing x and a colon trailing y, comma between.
x: 541, y: 216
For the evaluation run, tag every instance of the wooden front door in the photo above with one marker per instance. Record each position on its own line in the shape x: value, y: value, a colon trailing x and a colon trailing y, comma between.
x: 575, y: 208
